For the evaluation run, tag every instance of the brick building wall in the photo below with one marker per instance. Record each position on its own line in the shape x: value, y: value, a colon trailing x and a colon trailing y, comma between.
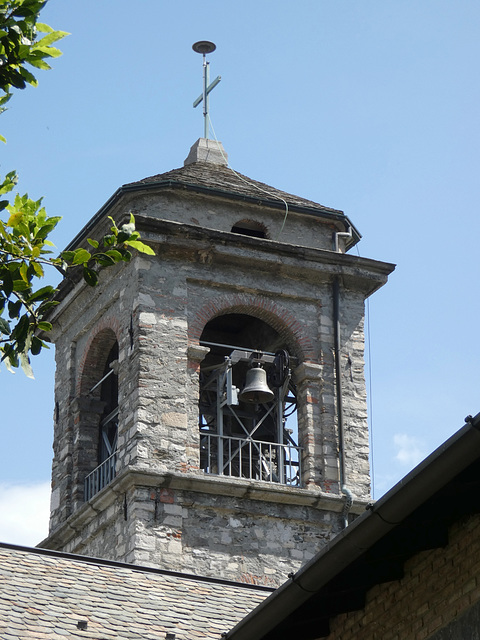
x: 437, y: 599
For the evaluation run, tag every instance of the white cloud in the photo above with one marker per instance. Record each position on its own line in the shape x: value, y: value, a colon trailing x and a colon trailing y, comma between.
x: 410, y: 450
x: 24, y: 513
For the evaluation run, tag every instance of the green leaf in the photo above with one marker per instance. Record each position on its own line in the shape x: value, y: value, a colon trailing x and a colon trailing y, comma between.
x: 50, y: 38
x: 46, y: 305
x: 14, y: 309
x: 81, y: 256
x: 38, y: 269
x: 23, y: 271
x: 68, y: 256
x: 11, y: 359
x: 93, y: 243
x: 29, y: 77
x: 15, y: 219
x: 109, y: 240
x: 26, y: 366
x: 20, y: 285
x: 20, y: 331
x: 52, y: 52
x: 37, y: 345
x: 43, y: 232
x: 113, y: 228
x: 43, y: 28
x: 123, y: 236
x: 141, y: 247
x: 4, y: 327
x: 103, y: 259
x: 40, y: 64
x: 114, y: 254
x: 7, y: 283
x: 41, y: 294
x: 44, y: 326
x: 90, y: 276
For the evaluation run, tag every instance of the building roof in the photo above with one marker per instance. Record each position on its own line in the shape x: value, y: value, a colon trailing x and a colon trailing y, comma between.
x: 48, y: 595
x: 413, y: 516
x: 218, y: 178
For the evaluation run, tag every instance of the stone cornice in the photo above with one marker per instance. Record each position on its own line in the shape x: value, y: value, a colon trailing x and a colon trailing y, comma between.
x: 212, y: 485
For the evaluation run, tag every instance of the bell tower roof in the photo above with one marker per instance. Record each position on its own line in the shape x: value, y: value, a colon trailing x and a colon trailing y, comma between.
x: 206, y: 171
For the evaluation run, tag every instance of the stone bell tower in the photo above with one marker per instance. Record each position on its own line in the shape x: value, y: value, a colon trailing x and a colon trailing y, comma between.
x: 210, y: 400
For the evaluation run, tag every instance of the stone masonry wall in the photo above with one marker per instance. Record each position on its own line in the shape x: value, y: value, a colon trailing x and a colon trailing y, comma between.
x: 212, y: 535
x: 222, y: 214
x: 352, y: 346
x: 105, y: 310
x: 157, y: 308
x: 158, y: 405
x: 439, y: 588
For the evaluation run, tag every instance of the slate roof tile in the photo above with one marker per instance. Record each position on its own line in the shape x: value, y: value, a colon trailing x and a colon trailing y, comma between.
x: 44, y: 596
x: 210, y: 176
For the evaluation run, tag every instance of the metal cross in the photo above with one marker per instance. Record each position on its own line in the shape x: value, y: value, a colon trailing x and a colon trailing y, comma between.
x: 205, y: 47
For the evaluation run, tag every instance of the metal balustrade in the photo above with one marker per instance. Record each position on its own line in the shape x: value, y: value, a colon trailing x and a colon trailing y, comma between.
x: 252, y: 459
x: 100, y: 477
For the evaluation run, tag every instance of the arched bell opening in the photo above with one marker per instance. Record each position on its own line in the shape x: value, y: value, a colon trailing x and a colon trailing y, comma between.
x: 247, y: 402
x: 98, y: 419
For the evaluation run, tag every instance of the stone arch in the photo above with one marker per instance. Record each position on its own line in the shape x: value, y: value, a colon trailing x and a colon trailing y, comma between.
x: 273, y: 313
x: 95, y: 356
x: 252, y: 322
x: 96, y: 415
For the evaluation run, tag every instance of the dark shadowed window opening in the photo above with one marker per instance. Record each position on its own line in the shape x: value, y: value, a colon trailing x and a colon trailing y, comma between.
x: 109, y: 395
x: 247, y: 402
x: 106, y: 391
x: 250, y: 228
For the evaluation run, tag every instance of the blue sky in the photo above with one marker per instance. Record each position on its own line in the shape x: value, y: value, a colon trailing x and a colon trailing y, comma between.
x: 370, y: 107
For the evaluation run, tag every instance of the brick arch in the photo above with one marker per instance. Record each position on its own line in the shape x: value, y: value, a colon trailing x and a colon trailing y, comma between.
x: 95, y: 356
x: 273, y: 313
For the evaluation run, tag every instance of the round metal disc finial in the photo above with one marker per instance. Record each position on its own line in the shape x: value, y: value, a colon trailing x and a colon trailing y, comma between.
x: 204, y: 46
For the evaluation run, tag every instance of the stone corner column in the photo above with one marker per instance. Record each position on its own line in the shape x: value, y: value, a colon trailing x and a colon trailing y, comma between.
x: 308, y: 378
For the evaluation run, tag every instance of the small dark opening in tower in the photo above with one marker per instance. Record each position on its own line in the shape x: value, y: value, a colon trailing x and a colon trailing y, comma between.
x: 250, y: 228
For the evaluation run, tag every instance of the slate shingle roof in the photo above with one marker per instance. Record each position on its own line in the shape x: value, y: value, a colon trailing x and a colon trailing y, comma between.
x: 209, y: 176
x: 46, y: 596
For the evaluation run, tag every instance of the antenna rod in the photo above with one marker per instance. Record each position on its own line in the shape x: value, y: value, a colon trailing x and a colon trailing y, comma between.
x: 204, y: 47
x: 206, y: 78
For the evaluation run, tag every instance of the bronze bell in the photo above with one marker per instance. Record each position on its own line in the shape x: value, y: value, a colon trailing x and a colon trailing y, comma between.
x: 256, y: 390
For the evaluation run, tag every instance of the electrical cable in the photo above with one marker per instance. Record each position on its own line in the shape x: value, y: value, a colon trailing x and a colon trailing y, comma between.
x: 250, y: 183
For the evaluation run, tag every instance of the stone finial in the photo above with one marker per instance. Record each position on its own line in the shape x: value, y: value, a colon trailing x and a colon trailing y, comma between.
x: 206, y: 150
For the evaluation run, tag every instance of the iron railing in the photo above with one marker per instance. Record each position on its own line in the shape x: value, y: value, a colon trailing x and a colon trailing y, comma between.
x: 251, y: 459
x: 100, y: 477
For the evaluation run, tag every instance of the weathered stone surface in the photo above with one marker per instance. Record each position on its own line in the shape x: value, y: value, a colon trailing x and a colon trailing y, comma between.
x: 156, y: 309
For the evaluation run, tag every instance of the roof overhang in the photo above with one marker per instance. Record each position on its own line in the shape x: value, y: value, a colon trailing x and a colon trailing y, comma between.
x: 411, y: 517
x: 328, y: 215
